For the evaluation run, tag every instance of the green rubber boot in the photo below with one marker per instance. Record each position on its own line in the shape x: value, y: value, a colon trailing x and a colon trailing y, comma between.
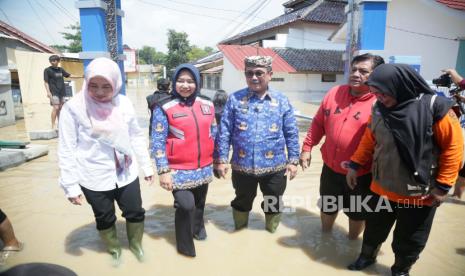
x: 110, y: 239
x: 241, y: 219
x: 272, y: 222
x: 135, y: 230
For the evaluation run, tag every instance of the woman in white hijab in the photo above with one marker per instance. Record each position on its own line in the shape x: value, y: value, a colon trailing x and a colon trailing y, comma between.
x: 100, y: 149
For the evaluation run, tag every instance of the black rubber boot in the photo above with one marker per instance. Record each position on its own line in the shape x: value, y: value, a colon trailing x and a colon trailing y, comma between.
x: 366, y: 258
x: 402, y: 266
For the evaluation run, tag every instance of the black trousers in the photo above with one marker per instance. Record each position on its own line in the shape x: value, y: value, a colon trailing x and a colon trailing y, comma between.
x: 272, y: 186
x: 413, y: 225
x: 188, y: 218
x: 103, y: 204
x: 2, y: 216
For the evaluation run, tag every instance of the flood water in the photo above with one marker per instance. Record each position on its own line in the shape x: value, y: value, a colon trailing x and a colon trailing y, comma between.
x: 55, y: 231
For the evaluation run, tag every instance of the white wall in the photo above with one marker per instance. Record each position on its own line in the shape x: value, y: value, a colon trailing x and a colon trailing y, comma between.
x: 427, y: 17
x: 305, y: 87
x: 298, y: 86
x: 232, y: 79
x: 312, y: 36
x: 299, y: 35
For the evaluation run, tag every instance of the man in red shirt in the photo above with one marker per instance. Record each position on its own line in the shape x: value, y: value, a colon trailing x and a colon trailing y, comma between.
x: 342, y: 118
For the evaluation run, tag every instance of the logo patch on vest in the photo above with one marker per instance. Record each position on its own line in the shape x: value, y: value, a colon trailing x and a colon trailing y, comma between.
x: 357, y: 115
x: 337, y: 111
x: 269, y: 155
x: 274, y: 127
x: 206, y: 110
x: 179, y: 115
x: 159, y: 127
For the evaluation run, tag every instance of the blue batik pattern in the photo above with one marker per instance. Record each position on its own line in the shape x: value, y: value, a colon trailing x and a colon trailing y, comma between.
x: 182, y: 179
x: 259, y: 131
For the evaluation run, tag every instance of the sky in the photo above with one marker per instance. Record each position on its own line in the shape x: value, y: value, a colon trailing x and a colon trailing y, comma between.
x: 146, y: 21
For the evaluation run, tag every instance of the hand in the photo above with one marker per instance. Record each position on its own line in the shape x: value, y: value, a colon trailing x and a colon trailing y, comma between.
x: 436, y: 197
x: 149, y: 179
x: 460, y: 98
x: 76, y: 200
x: 166, y: 181
x: 291, y: 170
x: 455, y: 77
x: 351, y: 178
x: 222, y: 170
x: 305, y: 159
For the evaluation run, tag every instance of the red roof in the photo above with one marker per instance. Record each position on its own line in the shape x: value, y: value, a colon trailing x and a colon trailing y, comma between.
x: 455, y: 4
x: 237, y: 53
x: 24, y: 38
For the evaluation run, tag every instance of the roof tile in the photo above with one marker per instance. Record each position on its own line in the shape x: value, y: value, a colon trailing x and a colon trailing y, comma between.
x: 317, y: 60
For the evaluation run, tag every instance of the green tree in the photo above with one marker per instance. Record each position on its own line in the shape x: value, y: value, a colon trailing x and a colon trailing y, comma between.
x: 178, y: 48
x: 74, y: 38
x: 196, y: 52
x: 150, y: 55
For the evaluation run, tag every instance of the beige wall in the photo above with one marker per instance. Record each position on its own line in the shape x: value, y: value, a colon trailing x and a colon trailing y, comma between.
x: 36, y: 105
x: 76, y: 68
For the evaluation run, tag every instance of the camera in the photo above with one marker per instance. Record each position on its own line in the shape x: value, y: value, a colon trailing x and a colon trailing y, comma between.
x: 444, y: 80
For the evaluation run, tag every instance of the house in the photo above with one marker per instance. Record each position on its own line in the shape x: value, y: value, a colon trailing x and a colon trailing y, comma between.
x: 306, y: 64
x: 22, y: 60
x: 429, y: 34
x: 136, y: 74
x: 12, y: 39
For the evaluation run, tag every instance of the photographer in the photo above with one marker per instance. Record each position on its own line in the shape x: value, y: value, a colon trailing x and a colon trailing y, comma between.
x: 460, y: 82
x: 456, y: 78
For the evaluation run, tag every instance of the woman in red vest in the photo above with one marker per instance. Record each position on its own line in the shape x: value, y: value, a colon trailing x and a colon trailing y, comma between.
x: 183, y: 131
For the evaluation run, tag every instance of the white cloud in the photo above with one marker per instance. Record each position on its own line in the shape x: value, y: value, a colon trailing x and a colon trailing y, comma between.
x: 143, y: 24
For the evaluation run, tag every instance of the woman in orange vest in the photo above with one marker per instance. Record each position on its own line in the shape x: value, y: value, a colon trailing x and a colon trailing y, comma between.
x: 411, y: 133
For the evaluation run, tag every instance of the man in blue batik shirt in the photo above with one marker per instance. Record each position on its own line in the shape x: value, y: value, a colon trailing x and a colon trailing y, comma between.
x: 259, y: 123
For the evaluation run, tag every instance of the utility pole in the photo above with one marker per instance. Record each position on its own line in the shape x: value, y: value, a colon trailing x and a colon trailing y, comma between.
x: 351, y: 41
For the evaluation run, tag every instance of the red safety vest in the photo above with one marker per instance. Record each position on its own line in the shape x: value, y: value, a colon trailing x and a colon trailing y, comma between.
x: 189, y: 144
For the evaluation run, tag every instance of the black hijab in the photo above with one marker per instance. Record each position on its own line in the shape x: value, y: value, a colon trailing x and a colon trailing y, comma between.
x: 411, y: 120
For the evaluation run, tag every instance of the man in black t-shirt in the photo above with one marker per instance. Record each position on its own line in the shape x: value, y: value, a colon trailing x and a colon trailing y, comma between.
x: 55, y: 86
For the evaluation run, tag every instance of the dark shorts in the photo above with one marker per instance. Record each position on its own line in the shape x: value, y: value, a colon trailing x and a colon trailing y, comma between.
x: 334, y: 189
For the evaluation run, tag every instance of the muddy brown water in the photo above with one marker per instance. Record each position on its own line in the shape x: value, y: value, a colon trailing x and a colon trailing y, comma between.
x: 54, y: 231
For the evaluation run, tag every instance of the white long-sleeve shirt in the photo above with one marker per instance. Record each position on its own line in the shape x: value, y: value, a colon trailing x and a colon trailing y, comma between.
x: 85, y: 161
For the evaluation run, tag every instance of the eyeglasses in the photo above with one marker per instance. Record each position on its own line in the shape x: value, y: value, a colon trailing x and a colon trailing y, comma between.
x: 258, y: 74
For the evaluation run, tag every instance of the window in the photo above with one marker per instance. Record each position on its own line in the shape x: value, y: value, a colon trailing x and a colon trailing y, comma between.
x: 217, y: 82
x: 328, y: 77
x: 277, y: 79
x: 209, y: 82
